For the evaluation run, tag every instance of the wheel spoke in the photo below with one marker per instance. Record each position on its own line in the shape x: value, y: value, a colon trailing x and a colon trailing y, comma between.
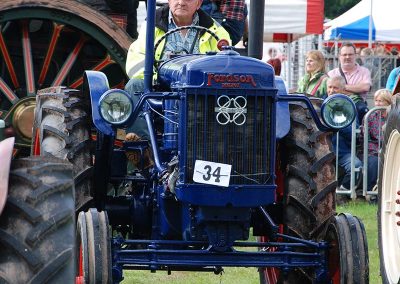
x: 28, y: 62
x: 10, y: 95
x: 68, y: 63
x: 49, y: 55
x: 103, y: 64
x: 7, y: 59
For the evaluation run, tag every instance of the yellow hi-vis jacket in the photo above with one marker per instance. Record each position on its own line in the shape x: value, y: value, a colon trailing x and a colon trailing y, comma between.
x: 136, y: 53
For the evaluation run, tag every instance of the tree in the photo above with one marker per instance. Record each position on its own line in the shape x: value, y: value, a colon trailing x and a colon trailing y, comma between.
x: 334, y: 8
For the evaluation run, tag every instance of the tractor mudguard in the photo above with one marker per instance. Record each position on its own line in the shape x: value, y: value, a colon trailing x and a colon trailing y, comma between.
x: 6, y: 149
x: 96, y: 84
x: 282, y: 110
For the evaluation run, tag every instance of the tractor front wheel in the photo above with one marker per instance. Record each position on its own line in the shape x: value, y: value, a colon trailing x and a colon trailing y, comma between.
x: 347, y: 255
x: 93, y: 250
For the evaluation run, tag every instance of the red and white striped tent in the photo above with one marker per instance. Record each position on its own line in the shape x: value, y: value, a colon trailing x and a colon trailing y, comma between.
x: 287, y: 20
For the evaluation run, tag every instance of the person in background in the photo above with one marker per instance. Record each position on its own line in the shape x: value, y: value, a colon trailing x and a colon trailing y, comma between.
x: 276, y: 64
x: 313, y: 83
x: 376, y: 120
x: 336, y: 85
x: 231, y: 14
x: 176, y: 14
x: 393, y: 79
x: 357, y: 78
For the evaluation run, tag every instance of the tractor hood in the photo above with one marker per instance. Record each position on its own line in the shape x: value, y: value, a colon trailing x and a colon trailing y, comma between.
x: 226, y: 70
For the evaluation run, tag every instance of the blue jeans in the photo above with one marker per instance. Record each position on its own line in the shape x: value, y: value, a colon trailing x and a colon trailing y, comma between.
x: 134, y: 87
x: 345, y: 163
x: 372, y: 172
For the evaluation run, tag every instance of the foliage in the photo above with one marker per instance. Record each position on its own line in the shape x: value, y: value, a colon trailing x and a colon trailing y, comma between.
x: 334, y: 8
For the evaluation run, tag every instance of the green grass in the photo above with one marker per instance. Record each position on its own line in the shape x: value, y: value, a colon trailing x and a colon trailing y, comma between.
x: 367, y: 213
x: 361, y: 209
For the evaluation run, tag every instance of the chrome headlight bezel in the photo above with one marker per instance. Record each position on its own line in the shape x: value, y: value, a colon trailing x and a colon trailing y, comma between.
x: 116, y: 97
x: 345, y: 103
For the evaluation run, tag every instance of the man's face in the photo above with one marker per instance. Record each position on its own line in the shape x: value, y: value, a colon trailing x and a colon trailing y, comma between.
x: 347, y: 57
x: 183, y: 10
x: 333, y: 88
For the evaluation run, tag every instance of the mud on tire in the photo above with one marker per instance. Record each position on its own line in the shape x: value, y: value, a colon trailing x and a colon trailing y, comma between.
x: 61, y: 130
x: 309, y: 198
x: 37, y: 227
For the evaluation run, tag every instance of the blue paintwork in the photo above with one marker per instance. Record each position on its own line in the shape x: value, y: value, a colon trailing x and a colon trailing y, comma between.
x: 282, y: 111
x: 97, y: 85
x: 197, y: 71
x: 195, y: 226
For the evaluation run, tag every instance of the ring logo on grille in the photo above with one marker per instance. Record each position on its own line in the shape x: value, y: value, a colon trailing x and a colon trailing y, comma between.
x: 231, y: 110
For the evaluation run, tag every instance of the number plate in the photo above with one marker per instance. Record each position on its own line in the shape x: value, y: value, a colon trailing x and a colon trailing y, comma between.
x: 212, y: 173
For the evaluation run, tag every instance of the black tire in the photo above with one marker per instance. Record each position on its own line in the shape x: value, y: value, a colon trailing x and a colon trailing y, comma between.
x: 37, y: 225
x: 309, y: 176
x: 61, y: 130
x: 309, y: 190
x: 348, y: 250
x: 388, y: 196
x: 94, y: 250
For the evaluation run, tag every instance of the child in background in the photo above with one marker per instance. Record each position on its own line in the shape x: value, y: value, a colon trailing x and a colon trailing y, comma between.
x: 375, y: 122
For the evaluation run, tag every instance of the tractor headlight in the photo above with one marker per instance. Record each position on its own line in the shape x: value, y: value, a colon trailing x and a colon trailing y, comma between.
x: 115, y: 106
x: 338, y: 111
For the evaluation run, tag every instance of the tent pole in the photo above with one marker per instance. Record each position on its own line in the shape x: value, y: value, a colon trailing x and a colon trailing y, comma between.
x: 370, y: 26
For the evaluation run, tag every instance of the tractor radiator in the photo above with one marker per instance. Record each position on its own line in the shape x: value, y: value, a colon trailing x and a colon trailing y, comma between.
x: 241, y: 135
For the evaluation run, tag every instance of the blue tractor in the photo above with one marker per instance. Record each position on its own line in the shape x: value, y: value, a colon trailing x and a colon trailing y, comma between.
x: 231, y: 155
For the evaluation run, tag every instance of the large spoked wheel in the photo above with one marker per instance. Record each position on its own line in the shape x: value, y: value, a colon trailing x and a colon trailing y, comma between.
x: 348, y: 250
x: 199, y: 30
x: 47, y: 43
x: 388, y: 198
x: 93, y: 250
x: 37, y: 226
x: 62, y: 129
x: 309, y: 185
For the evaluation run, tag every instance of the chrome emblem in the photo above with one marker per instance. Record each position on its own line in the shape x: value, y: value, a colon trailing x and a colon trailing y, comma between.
x: 231, y: 110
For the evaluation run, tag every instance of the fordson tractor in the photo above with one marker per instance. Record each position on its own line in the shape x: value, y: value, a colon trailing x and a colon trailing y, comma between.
x: 230, y: 155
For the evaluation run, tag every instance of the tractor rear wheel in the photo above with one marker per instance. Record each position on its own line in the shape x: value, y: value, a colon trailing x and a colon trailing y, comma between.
x: 37, y: 225
x: 61, y: 130
x: 309, y: 186
x: 388, y: 199
x: 94, y: 247
x: 45, y: 43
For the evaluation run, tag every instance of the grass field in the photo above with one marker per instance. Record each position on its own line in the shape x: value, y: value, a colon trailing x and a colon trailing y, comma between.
x: 365, y: 211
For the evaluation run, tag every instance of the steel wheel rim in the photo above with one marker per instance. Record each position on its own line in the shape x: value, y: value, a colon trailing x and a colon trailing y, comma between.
x: 333, y: 254
x: 389, y: 208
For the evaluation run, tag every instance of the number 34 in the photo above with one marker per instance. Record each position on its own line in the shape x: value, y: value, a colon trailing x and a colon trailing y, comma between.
x: 216, y: 173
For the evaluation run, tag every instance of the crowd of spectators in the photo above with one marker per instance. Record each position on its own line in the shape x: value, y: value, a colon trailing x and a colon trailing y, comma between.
x: 353, y: 78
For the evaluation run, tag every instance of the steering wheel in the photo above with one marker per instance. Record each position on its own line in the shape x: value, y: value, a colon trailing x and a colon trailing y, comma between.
x: 178, y: 29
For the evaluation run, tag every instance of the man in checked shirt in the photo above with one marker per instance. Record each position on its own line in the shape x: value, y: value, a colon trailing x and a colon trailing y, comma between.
x: 231, y: 14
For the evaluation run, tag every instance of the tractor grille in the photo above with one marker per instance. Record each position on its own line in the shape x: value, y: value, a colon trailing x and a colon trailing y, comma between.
x: 246, y: 147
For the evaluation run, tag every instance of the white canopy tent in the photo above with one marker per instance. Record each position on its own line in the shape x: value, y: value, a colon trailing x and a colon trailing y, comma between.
x: 357, y: 25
